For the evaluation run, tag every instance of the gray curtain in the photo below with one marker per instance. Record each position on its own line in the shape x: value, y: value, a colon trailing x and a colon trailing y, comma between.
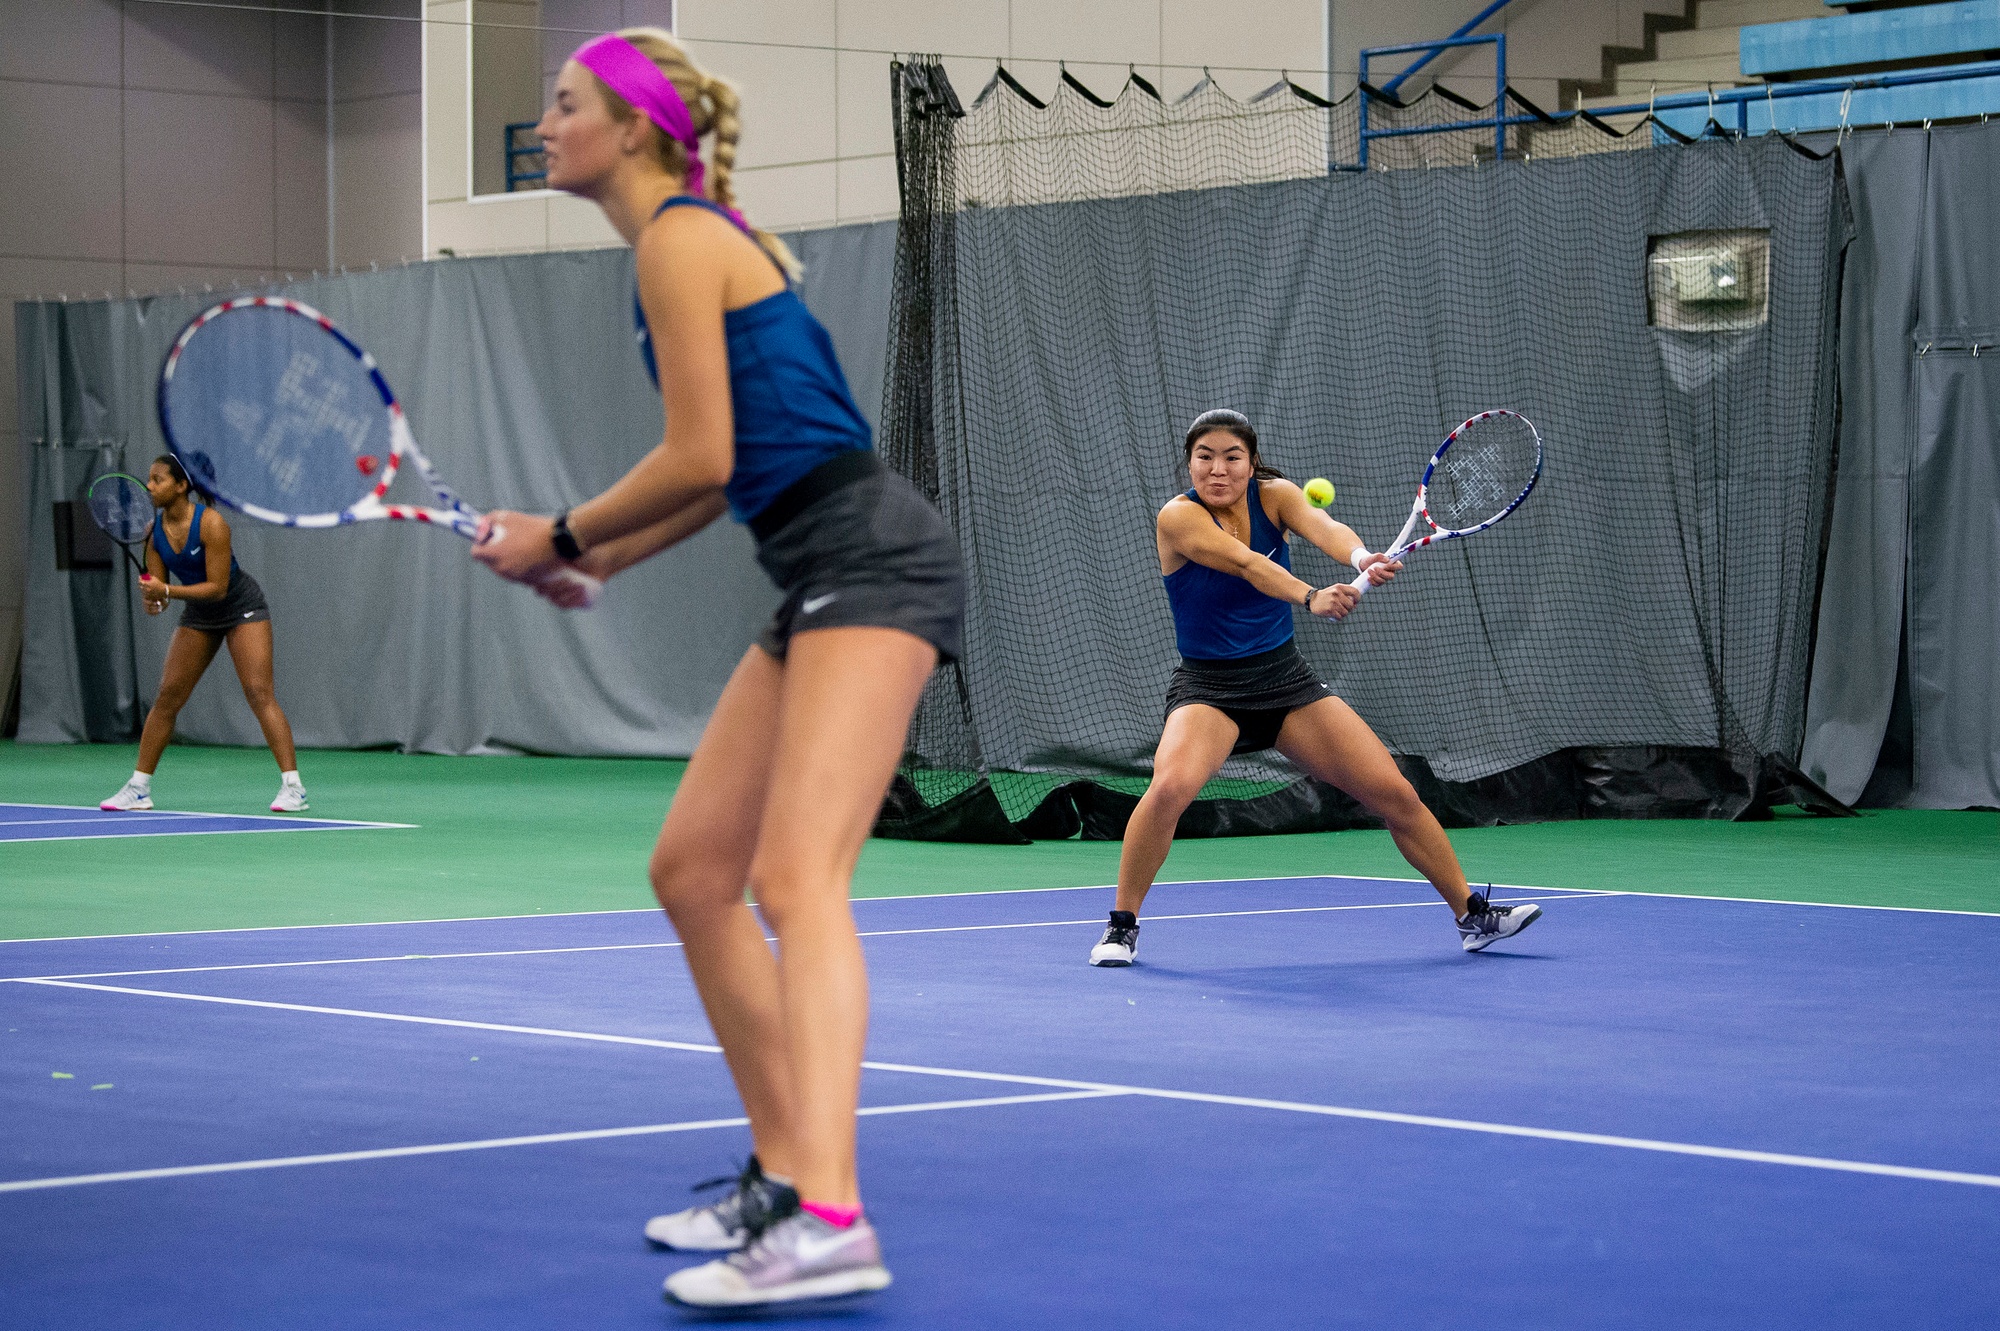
x: 1905, y: 701
x: 522, y: 383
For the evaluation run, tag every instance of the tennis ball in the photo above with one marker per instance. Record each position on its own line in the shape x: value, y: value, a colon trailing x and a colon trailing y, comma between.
x: 1319, y: 492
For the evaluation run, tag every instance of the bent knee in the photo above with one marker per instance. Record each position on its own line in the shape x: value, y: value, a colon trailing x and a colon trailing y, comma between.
x: 688, y: 882
x: 260, y: 699
x: 1394, y: 800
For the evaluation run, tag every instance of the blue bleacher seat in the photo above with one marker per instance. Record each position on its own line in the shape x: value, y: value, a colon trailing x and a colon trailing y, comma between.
x: 1923, y: 32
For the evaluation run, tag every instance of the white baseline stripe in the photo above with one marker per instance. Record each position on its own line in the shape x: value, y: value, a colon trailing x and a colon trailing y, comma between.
x: 187, y: 813
x: 640, y: 947
x: 211, y: 831
x: 494, y: 1143
x: 1151, y: 1092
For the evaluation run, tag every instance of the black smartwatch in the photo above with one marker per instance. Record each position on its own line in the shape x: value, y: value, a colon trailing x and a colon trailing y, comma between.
x: 563, y: 539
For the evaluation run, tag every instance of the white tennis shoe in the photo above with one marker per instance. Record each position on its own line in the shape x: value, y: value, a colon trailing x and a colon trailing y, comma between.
x: 731, y: 1221
x: 291, y: 799
x: 131, y: 798
x: 1486, y: 923
x: 799, y: 1257
x: 1120, y: 942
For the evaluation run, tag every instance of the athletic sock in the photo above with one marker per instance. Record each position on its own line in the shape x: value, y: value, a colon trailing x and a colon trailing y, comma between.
x: 840, y: 1217
x: 141, y: 780
x: 290, y: 778
x: 1124, y: 919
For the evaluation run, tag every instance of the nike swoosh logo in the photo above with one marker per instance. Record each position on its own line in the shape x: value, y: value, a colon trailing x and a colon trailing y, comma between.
x: 818, y: 603
x: 810, y: 1250
x: 248, y: 613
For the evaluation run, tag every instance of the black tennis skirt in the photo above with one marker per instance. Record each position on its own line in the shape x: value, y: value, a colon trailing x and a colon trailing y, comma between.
x: 854, y: 545
x: 1256, y: 692
x: 242, y: 603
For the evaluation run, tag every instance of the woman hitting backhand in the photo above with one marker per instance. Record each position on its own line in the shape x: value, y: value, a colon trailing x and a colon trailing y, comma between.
x: 1242, y: 685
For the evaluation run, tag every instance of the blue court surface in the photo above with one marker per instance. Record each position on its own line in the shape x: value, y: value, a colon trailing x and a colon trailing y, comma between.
x: 66, y: 822
x: 1306, y: 1107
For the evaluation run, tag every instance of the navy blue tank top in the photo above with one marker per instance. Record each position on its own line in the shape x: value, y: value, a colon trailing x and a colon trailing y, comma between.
x: 792, y: 405
x: 1219, y: 616
x: 190, y: 562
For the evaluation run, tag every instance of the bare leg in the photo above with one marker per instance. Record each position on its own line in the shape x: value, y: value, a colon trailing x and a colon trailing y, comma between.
x: 251, y: 650
x: 845, y: 714
x: 1193, y: 747
x: 1334, y: 744
x: 188, y: 656
x: 700, y: 868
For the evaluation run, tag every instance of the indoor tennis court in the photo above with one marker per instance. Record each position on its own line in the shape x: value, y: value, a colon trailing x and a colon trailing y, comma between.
x: 923, y: 664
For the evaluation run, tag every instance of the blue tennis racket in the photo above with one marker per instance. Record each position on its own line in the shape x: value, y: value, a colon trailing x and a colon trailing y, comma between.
x: 1484, y: 470
x: 281, y: 416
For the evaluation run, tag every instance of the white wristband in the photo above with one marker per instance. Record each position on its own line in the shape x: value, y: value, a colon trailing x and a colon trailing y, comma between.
x: 1356, y: 555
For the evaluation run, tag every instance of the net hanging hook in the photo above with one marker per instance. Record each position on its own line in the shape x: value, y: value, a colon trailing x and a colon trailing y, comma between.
x: 1846, y: 100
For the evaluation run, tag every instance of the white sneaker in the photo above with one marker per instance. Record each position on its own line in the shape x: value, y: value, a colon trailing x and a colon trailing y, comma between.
x: 1486, y: 923
x: 1120, y: 941
x: 291, y: 799
x: 799, y: 1257
x: 727, y: 1224
x: 130, y: 798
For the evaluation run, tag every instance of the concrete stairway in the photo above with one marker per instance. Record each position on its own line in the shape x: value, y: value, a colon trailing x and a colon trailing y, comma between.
x: 1693, y: 58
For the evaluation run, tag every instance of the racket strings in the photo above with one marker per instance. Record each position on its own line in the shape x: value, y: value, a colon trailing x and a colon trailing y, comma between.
x: 271, y: 410
x: 120, y: 505
x: 1487, y: 466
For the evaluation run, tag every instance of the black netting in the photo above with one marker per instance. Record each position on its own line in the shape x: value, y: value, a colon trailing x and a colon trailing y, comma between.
x: 1077, y: 279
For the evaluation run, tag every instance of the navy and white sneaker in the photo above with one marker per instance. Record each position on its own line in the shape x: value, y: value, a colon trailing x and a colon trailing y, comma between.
x: 1120, y: 941
x: 727, y: 1224
x: 799, y: 1257
x: 1485, y: 923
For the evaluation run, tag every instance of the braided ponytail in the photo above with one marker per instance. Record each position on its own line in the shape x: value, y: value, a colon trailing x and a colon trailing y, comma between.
x: 715, y: 107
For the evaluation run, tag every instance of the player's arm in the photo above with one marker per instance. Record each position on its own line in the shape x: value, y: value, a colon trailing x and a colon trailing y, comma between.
x: 620, y: 553
x: 1190, y: 532
x: 1336, y: 539
x: 215, y: 563
x: 682, y: 286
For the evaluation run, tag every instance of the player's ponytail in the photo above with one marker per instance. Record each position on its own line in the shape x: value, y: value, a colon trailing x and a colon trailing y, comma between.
x: 715, y: 109
x: 1229, y: 422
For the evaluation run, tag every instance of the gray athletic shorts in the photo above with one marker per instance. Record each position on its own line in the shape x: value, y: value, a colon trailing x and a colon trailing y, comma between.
x: 243, y: 603
x: 858, y: 547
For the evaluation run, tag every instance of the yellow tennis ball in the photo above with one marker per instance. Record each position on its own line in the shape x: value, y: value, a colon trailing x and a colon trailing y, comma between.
x: 1319, y: 492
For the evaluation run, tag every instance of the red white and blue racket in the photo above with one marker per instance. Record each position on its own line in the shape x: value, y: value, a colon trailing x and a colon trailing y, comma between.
x: 281, y: 416
x: 1484, y: 470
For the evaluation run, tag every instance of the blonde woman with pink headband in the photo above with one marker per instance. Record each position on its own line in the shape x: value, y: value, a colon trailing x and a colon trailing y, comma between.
x: 786, y: 781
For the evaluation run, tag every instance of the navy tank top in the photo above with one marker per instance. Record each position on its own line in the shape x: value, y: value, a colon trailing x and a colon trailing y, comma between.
x: 190, y: 563
x: 1219, y: 616
x: 792, y: 405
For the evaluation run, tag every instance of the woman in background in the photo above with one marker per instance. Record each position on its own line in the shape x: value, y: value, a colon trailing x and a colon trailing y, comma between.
x: 224, y: 605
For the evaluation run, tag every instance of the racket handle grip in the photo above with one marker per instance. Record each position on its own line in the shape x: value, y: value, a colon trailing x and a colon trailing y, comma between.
x: 1361, y: 583
x: 572, y: 577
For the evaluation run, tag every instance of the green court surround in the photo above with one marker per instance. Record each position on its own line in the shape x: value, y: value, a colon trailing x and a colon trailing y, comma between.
x: 518, y: 835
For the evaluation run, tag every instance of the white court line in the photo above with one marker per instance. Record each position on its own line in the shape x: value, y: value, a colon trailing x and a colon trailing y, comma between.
x: 641, y: 947
x: 1149, y: 1092
x: 494, y: 1143
x: 211, y: 831
x: 655, y: 910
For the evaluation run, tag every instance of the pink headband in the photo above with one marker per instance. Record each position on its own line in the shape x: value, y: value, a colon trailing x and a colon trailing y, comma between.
x: 631, y: 73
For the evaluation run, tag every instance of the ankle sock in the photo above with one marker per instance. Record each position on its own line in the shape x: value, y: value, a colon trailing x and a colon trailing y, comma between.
x: 290, y: 778
x: 142, y: 780
x: 1124, y: 919
x: 840, y: 1217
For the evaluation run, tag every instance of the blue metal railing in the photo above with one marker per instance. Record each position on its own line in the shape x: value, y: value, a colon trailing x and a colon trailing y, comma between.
x: 1498, y: 121
x: 1432, y: 50
x: 516, y: 151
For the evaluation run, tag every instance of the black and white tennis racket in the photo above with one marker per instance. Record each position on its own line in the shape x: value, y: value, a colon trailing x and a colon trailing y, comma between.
x: 279, y: 415
x: 1484, y: 470
x: 120, y: 506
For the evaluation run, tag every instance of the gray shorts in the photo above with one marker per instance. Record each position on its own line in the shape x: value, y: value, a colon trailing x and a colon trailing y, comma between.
x: 869, y: 553
x: 243, y: 603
